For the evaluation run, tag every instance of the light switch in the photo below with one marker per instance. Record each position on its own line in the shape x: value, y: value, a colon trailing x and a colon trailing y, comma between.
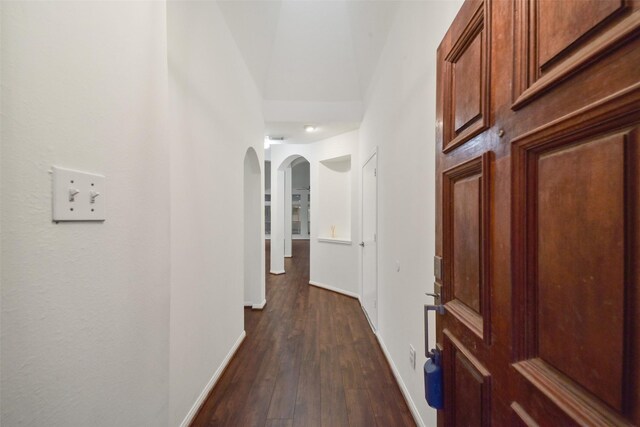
x: 78, y: 196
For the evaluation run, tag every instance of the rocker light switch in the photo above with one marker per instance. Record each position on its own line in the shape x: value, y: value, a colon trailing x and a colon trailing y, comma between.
x: 78, y: 196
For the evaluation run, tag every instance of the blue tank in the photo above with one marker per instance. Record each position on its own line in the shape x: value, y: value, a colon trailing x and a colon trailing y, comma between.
x: 433, y: 391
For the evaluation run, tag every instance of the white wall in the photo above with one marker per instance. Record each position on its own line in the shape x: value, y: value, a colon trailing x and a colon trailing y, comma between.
x: 400, y: 121
x: 85, y: 306
x: 287, y: 211
x: 1, y: 139
x: 333, y: 265
x: 216, y: 116
x: 253, y: 231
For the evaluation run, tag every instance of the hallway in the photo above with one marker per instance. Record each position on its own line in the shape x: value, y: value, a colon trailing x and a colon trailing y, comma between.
x: 134, y: 316
x: 309, y: 358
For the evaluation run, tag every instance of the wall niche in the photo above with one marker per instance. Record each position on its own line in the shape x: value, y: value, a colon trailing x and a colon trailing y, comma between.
x: 334, y: 199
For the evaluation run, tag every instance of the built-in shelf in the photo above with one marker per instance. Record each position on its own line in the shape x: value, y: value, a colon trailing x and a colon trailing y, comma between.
x: 334, y: 240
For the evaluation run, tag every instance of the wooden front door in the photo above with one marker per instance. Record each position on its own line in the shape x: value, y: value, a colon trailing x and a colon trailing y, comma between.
x: 538, y: 213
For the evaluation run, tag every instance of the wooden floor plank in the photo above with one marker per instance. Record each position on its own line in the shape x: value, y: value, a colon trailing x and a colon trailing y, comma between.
x: 308, y: 412
x: 279, y: 423
x: 309, y: 359
x: 359, y: 408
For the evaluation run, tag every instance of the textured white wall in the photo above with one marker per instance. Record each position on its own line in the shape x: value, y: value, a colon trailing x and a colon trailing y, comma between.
x: 85, y: 306
x: 216, y: 115
x: 400, y: 121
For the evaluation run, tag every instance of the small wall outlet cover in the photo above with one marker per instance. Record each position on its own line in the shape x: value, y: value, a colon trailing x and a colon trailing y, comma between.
x: 412, y: 357
x: 78, y: 196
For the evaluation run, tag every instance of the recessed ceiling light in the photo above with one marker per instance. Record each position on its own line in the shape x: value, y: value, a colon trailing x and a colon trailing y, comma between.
x: 309, y: 128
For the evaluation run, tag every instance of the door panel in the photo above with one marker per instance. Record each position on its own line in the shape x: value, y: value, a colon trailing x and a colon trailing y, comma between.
x: 556, y: 39
x: 465, y: 76
x: 466, y: 192
x: 466, y: 242
x: 538, y: 220
x: 470, y: 393
x: 584, y: 183
x: 520, y: 417
x: 562, y: 23
x: 576, y: 213
x: 467, y: 83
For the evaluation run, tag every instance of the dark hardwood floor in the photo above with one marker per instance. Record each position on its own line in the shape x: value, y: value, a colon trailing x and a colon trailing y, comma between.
x: 309, y: 359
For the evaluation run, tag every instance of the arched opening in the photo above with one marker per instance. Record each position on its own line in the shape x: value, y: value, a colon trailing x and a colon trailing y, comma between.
x: 254, y: 293
x: 292, y: 213
x: 299, y: 215
x: 297, y: 204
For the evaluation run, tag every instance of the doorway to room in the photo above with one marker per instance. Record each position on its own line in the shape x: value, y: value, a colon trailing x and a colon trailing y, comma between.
x: 300, y: 218
x: 288, y: 211
x: 369, y: 241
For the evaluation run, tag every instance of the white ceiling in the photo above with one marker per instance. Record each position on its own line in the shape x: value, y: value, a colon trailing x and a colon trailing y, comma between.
x: 294, y: 132
x: 312, y: 60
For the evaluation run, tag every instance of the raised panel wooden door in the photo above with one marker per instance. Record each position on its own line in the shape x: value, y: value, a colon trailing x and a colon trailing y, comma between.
x: 538, y: 213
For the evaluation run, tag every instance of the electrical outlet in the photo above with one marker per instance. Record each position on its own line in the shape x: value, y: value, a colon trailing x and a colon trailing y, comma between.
x: 412, y: 357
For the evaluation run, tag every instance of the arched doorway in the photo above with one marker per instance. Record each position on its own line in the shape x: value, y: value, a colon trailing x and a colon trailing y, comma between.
x: 290, y: 208
x: 298, y: 219
x: 254, y: 289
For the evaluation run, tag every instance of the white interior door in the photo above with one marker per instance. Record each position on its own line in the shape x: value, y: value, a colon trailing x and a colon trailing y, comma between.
x: 369, y: 242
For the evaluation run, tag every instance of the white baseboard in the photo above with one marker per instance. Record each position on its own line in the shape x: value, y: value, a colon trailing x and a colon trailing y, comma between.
x: 277, y: 272
x: 212, y: 382
x: 405, y: 391
x: 259, y: 306
x: 334, y: 289
x: 248, y: 304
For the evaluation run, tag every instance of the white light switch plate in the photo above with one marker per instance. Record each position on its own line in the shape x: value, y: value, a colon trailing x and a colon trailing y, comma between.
x: 81, y: 208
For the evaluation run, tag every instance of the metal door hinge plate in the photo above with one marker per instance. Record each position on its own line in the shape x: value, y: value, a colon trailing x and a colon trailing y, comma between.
x: 437, y: 267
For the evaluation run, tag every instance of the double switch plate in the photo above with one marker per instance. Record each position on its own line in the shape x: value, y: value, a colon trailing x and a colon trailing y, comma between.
x: 78, y: 196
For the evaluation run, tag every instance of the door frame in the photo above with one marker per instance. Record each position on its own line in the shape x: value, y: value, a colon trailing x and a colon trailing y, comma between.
x: 369, y: 158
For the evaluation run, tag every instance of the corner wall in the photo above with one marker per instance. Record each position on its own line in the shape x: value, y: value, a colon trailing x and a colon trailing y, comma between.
x: 400, y: 120
x: 336, y: 265
x: 85, y: 306
x: 333, y: 265
x: 215, y: 112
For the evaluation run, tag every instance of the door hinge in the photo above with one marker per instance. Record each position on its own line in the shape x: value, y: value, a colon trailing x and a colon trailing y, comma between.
x: 375, y: 171
x: 437, y: 267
